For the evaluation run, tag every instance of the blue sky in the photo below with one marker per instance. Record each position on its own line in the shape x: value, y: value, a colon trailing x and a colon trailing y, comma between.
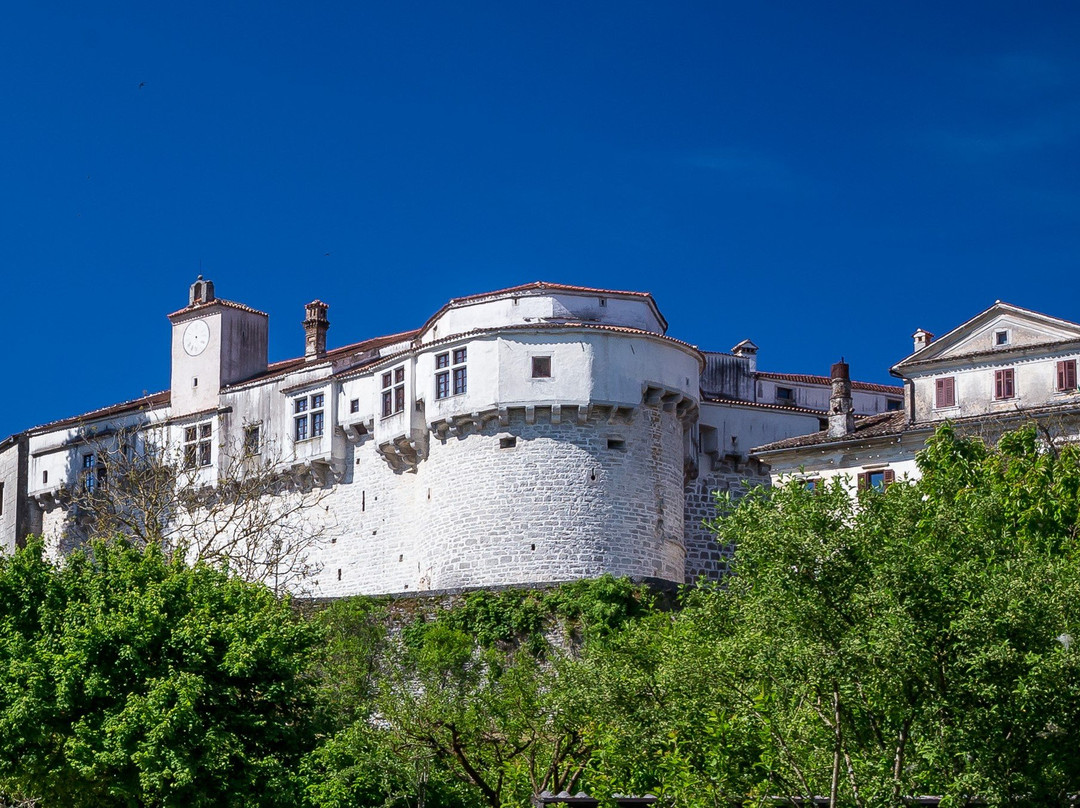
x: 822, y: 178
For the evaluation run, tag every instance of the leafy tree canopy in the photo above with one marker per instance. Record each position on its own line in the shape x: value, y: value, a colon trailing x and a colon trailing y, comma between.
x: 128, y: 680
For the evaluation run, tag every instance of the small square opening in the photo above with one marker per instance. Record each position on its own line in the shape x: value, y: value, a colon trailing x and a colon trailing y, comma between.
x: 541, y: 367
x: 616, y: 443
x: 1001, y: 337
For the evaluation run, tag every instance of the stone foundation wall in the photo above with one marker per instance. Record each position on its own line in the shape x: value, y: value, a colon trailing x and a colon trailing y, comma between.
x: 705, y: 557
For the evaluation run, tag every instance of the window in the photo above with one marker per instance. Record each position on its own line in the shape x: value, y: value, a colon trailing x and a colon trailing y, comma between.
x: 1066, y: 375
x: 1004, y: 386
x: 1001, y: 337
x: 393, y: 393
x: 309, y: 418
x: 354, y: 405
x: 945, y: 392
x: 450, y: 377
x: 893, y: 404
x: 877, y: 480
x: 93, y: 475
x: 785, y: 395
x: 197, y: 445
x: 812, y: 485
x: 252, y: 442
x: 541, y: 367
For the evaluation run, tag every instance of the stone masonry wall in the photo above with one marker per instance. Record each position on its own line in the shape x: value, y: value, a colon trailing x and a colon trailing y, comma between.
x: 704, y: 555
x: 515, y: 504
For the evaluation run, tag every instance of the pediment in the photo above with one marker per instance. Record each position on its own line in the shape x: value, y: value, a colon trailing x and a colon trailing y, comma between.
x: 981, y: 335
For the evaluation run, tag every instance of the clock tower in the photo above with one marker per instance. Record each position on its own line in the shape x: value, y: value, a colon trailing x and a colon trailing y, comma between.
x: 214, y: 343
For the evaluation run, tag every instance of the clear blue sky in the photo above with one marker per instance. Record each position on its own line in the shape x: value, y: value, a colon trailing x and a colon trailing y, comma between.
x: 820, y: 177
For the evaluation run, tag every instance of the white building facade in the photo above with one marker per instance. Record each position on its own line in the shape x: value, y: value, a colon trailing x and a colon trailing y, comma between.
x: 537, y: 434
x: 1002, y: 368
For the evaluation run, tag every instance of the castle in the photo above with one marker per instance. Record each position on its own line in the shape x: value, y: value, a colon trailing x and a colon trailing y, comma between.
x: 536, y: 434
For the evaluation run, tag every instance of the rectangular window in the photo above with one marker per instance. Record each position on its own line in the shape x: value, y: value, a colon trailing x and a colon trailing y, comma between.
x: 945, y: 393
x: 442, y: 376
x: 1004, y: 386
x: 196, y: 445
x: 541, y: 367
x: 785, y: 395
x: 1066, y: 375
x: 450, y: 377
x: 252, y: 445
x: 1001, y: 337
x: 892, y: 405
x: 876, y: 480
x: 89, y: 477
x: 354, y: 405
x: 310, y: 423
x: 393, y: 394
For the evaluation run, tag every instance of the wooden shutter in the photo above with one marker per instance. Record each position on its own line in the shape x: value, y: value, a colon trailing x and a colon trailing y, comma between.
x: 946, y: 392
x: 1066, y: 374
x: 890, y: 477
x: 864, y: 481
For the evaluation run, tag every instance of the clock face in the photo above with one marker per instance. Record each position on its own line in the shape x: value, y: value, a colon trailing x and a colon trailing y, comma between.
x: 196, y: 337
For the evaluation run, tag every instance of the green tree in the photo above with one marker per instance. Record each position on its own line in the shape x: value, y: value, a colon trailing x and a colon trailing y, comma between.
x: 919, y: 640
x: 129, y: 680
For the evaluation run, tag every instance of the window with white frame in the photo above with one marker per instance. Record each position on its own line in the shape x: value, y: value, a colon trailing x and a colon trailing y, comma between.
x: 309, y: 417
x: 1066, y: 375
x: 945, y: 392
x: 93, y: 472
x: 450, y: 375
x: 393, y: 391
x: 197, y: 445
x: 1004, y: 384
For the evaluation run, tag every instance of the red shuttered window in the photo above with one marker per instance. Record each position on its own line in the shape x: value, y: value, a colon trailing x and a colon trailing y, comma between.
x: 1004, y: 384
x: 1066, y: 375
x: 945, y: 394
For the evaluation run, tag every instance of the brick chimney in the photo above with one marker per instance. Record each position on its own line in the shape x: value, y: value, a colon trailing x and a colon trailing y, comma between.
x: 841, y: 412
x: 922, y: 338
x: 315, y: 325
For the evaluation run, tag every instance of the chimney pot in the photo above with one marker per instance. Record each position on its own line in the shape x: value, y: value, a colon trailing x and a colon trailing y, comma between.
x: 841, y: 410
x: 315, y: 327
x: 922, y: 338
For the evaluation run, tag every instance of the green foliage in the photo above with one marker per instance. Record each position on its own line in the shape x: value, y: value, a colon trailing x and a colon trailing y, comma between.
x: 129, y: 680
x: 474, y: 704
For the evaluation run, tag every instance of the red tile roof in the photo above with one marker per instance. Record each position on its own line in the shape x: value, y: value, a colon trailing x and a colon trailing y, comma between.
x: 867, y: 426
x: 217, y: 300
x: 803, y: 378
x: 542, y: 286
x: 148, y: 402
x: 619, y: 329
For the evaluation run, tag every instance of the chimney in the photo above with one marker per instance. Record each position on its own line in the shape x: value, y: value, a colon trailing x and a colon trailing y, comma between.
x: 841, y: 413
x: 747, y: 350
x: 315, y: 325
x: 922, y: 338
x: 201, y: 292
